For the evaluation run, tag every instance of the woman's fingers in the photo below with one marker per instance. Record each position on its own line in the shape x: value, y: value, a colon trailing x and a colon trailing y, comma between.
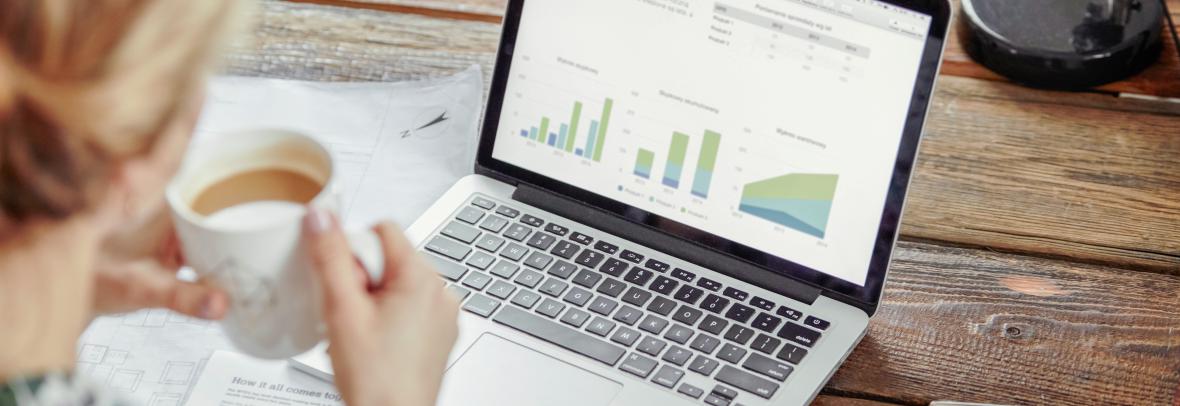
x: 144, y: 284
x: 401, y: 260
x: 333, y: 263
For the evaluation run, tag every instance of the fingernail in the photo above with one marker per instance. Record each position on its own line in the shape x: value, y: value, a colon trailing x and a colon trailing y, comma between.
x: 206, y: 310
x: 317, y: 220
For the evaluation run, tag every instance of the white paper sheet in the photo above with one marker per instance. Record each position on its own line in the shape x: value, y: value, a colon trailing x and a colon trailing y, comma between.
x: 393, y: 169
x: 232, y: 379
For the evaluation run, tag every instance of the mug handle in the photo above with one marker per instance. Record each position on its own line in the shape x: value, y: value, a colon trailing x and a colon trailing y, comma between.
x: 366, y: 247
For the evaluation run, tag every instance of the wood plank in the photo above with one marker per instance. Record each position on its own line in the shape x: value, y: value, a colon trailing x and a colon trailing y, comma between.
x: 834, y: 400
x: 971, y: 325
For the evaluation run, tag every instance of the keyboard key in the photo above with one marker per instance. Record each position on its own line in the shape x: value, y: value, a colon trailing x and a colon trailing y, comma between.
x: 481, y: 305
x: 490, y: 243
x: 532, y: 221
x: 792, y: 354
x: 552, y: 332
x: 556, y: 229
x: 687, y: 315
x: 651, y: 346
x: 765, y: 344
x: 691, y: 391
x: 507, y: 212
x: 724, y: 392
x: 606, y: 247
x: 689, y: 294
x: 638, y: 276
x: 447, y: 269
x: 470, y: 215
x: 679, y: 334
x: 526, y: 298
x: 799, y: 334
x: 636, y: 296
x: 581, y: 238
x: 736, y: 294
x: 818, y: 324
x: 655, y: 265
x: 625, y: 336
x: 668, y: 377
x: 505, y: 269
x: 789, y: 313
x: 739, y: 334
x: 477, y: 280
x: 514, y: 252
x: 739, y: 312
x: 709, y: 284
x: 731, y: 353
x: 587, y: 278
x: 611, y: 287
x: 600, y: 326
x: 589, y: 259
x: 528, y: 278
x: 714, y: 400
x: 631, y: 256
x: 538, y: 260
x: 460, y: 232
x: 677, y: 355
x: 766, y: 322
x: 664, y: 285
x: 762, y: 303
x: 562, y: 269
x: 553, y: 287
x: 480, y: 260
x: 768, y: 367
x: 662, y: 306
x: 747, y: 381
x: 483, y: 203
x: 501, y: 290
x: 628, y: 315
x: 448, y: 248
x: 550, y: 308
x: 714, y: 303
x: 578, y: 297
x: 517, y: 232
x: 705, y: 343
x: 494, y: 223
x: 683, y: 275
x: 458, y: 291
x: 603, y: 306
x: 613, y: 267
x: 653, y: 324
x: 703, y: 365
x: 575, y: 317
x: 713, y: 324
x: 638, y: 365
x: 565, y: 249
x: 542, y: 241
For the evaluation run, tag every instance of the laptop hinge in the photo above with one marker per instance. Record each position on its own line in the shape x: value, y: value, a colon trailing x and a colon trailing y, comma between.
x: 657, y: 240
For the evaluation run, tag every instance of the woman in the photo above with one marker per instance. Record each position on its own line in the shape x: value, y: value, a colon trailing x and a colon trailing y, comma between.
x: 97, y: 102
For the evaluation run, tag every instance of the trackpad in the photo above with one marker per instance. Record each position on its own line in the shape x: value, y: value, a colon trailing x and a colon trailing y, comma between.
x: 495, y: 371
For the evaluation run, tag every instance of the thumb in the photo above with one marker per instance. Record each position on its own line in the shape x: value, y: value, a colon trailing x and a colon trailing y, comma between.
x: 332, y: 262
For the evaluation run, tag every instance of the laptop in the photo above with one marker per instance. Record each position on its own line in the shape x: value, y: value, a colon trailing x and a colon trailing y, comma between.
x: 680, y: 202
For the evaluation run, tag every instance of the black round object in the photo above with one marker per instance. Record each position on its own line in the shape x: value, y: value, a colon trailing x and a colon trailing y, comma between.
x: 1063, y: 44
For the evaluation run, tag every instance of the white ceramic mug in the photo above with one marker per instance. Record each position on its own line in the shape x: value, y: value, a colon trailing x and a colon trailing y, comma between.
x: 258, y: 257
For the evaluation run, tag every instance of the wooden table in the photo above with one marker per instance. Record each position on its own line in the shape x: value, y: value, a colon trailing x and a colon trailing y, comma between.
x: 1040, y: 254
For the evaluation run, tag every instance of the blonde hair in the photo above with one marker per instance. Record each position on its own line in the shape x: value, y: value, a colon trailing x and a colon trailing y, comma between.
x: 87, y: 83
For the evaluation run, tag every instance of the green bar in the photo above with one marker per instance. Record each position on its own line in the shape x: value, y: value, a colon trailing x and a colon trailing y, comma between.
x: 543, y: 135
x: 643, y: 163
x: 675, y: 166
x: 573, y: 133
x: 706, y: 163
x: 602, y: 129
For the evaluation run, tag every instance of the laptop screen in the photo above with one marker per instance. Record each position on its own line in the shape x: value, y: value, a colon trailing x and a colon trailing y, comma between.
x: 774, y: 124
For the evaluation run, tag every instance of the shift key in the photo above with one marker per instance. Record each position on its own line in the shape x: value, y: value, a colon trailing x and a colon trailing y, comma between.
x: 567, y: 338
x: 448, y: 248
x: 747, y: 381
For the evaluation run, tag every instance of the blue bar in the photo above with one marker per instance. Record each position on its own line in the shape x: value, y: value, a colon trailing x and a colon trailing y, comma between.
x: 533, y: 133
x: 590, y: 139
x: 552, y: 139
x: 524, y: 133
x: 565, y: 128
x: 578, y: 151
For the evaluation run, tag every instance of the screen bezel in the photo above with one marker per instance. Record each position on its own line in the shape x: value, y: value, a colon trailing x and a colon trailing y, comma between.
x: 867, y: 296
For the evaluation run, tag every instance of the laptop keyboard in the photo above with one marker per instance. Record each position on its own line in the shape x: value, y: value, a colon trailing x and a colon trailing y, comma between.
x: 628, y: 310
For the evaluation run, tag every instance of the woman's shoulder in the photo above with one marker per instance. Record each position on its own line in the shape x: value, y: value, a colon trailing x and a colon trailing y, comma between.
x: 57, y: 389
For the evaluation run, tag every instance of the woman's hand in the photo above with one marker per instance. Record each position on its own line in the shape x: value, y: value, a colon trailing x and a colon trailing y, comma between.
x: 137, y: 269
x: 389, y: 339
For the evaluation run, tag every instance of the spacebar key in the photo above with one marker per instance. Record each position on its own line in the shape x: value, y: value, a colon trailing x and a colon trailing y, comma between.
x: 567, y: 338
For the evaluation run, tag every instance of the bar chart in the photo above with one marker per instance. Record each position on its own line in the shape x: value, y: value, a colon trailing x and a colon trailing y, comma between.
x: 564, y: 136
x: 801, y: 202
